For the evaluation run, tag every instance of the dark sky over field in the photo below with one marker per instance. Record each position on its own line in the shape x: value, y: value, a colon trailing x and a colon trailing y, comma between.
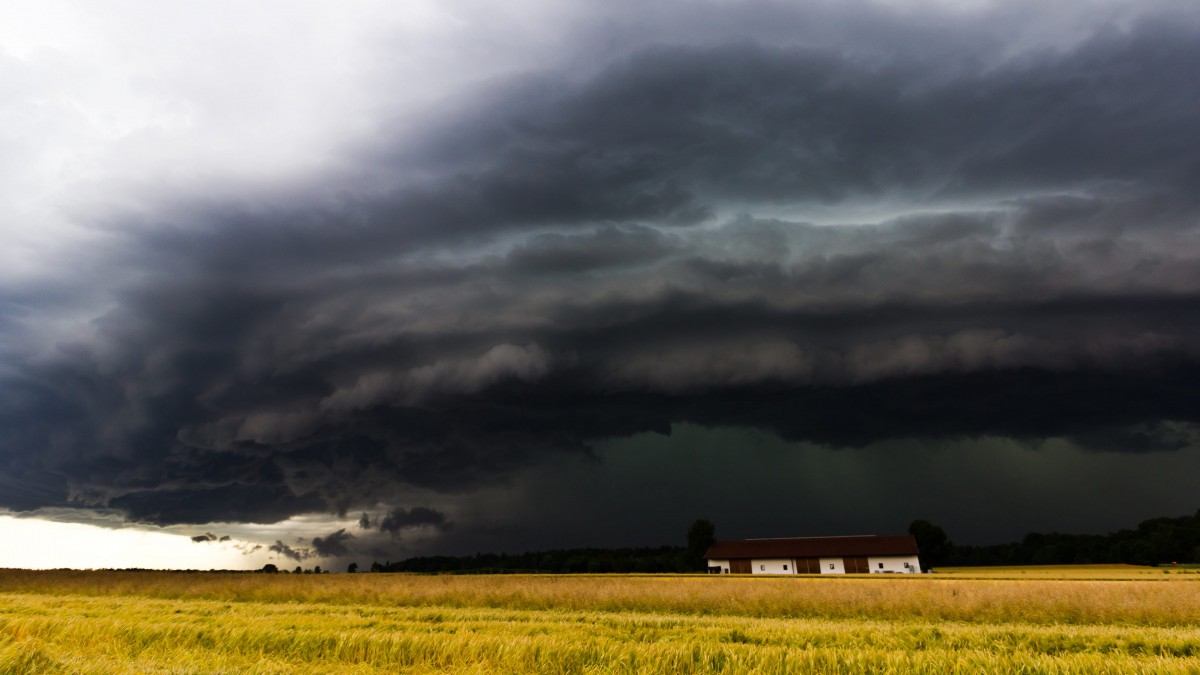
x: 448, y: 277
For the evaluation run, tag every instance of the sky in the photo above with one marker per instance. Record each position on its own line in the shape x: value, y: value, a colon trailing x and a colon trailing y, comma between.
x: 311, y: 283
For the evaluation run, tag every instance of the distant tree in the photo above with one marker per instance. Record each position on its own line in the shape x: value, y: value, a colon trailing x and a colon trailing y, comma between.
x: 352, y: 568
x: 270, y: 568
x: 317, y: 569
x: 932, y: 541
x: 298, y: 570
x: 700, y: 536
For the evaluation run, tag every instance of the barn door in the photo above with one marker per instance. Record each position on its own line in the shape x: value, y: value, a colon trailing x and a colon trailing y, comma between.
x: 808, y: 566
x: 739, y: 567
x: 856, y: 565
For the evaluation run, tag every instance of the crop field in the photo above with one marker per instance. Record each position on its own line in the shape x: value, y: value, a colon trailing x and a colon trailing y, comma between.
x: 1097, y: 572
x: 161, y: 622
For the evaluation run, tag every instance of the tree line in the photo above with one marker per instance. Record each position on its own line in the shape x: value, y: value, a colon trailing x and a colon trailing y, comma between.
x: 567, y: 560
x: 1153, y: 542
x: 689, y: 558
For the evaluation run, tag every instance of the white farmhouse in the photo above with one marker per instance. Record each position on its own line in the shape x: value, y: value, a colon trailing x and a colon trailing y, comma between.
x: 864, y: 554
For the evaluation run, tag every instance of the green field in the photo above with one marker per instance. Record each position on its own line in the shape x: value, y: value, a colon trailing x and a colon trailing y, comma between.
x: 158, y: 622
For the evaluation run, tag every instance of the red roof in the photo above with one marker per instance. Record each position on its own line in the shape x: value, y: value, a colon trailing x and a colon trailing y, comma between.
x: 813, y: 547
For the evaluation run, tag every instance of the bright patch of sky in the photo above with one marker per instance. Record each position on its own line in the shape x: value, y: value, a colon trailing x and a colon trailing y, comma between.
x: 42, y: 544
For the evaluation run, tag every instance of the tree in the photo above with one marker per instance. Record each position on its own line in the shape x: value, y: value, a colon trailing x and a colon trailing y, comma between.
x: 700, y: 536
x: 298, y: 570
x: 317, y: 569
x: 270, y: 568
x: 352, y: 568
x: 932, y: 542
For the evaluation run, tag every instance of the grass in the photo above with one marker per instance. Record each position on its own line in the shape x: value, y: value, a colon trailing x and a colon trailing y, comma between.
x: 1098, y: 572
x: 108, y: 622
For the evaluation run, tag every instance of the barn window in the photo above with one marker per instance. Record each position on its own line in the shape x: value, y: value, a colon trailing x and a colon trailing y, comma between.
x: 762, y: 567
x: 880, y: 565
x: 785, y: 568
x: 830, y: 565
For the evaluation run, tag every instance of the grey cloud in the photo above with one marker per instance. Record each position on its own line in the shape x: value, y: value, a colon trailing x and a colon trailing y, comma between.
x: 793, y: 125
x: 602, y: 249
x: 748, y: 124
x: 248, y: 549
x: 713, y: 366
x: 418, y: 516
x: 476, y: 392
x: 333, y: 544
x: 286, y: 551
x: 442, y: 377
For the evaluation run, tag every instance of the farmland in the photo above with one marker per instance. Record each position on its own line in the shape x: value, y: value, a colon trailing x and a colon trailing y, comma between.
x: 1115, y: 620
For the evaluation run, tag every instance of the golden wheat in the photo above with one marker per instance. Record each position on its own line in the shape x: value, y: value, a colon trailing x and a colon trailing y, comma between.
x: 107, y: 622
x: 1172, y: 602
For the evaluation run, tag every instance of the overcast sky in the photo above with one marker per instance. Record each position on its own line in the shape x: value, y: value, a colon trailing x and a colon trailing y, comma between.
x: 309, y: 283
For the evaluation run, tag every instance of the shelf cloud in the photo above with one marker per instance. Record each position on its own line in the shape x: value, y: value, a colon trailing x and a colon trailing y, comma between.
x: 840, y: 225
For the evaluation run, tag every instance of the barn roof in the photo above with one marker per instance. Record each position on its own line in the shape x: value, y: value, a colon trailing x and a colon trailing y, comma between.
x: 813, y: 547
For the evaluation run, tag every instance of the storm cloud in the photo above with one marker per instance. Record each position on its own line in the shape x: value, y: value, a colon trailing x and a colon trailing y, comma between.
x: 297, y: 554
x: 420, y: 516
x: 841, y: 227
x: 333, y: 544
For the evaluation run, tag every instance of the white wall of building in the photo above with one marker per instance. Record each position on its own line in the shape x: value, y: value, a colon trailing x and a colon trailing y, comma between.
x: 832, y: 566
x: 772, y: 566
x: 892, y: 564
x: 896, y: 564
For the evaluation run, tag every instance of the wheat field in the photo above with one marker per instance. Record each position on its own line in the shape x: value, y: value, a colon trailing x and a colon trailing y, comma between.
x: 161, y: 622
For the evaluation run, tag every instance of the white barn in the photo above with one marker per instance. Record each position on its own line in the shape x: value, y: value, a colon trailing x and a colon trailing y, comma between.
x: 864, y: 554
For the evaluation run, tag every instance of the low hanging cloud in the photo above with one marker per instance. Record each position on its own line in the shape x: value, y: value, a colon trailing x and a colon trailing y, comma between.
x: 247, y: 548
x: 282, y: 549
x: 941, y: 231
x: 333, y: 544
x: 445, y: 377
x: 416, y: 517
x: 714, y: 366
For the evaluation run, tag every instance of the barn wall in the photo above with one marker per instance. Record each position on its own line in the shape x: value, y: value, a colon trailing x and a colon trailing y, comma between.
x: 772, y: 566
x: 837, y: 568
x: 723, y: 564
x: 894, y: 564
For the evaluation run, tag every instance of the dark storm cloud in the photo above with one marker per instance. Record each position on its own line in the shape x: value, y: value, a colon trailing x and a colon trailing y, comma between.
x: 581, y: 257
x: 790, y: 125
x: 668, y: 134
x: 286, y: 551
x: 603, y: 248
x: 418, y: 516
x: 332, y: 545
